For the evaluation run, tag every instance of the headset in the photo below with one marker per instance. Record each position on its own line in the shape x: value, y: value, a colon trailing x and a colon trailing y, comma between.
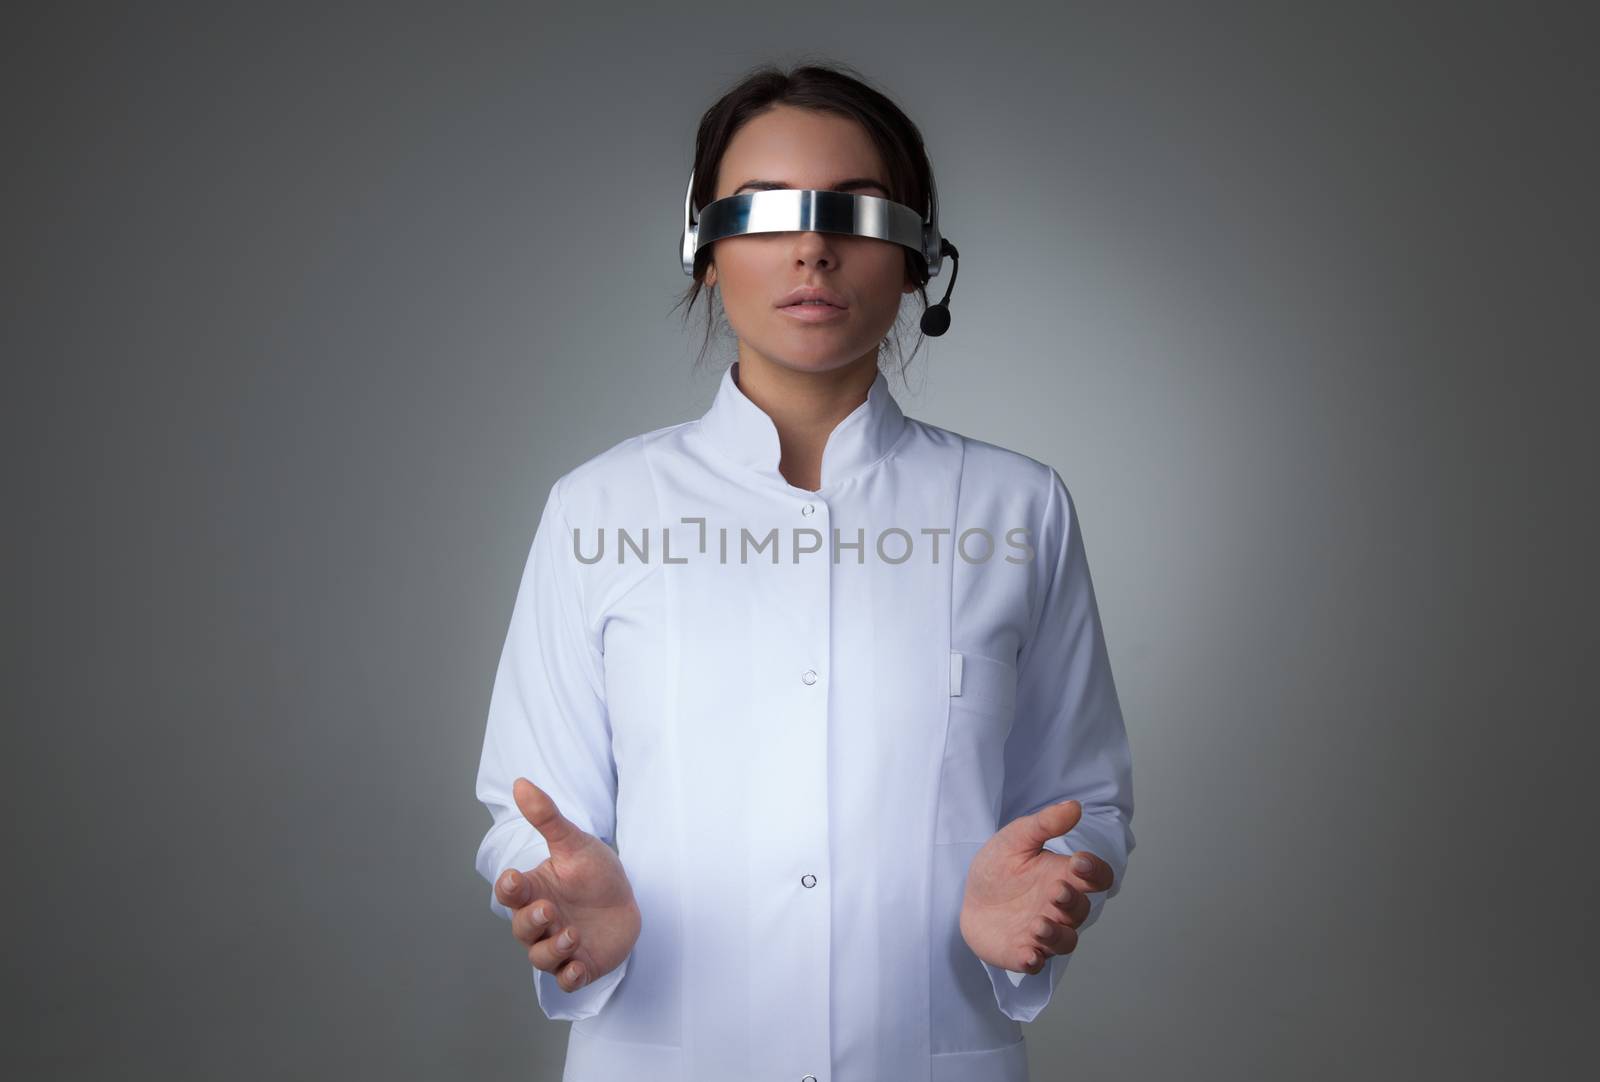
x: 816, y: 210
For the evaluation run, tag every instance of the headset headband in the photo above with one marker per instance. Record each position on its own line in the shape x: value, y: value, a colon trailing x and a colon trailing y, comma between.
x: 811, y: 210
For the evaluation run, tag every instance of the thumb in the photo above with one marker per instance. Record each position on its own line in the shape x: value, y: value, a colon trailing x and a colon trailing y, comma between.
x: 538, y: 808
x: 1048, y: 822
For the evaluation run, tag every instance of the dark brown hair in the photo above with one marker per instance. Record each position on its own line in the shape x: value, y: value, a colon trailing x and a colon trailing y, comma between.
x: 830, y: 88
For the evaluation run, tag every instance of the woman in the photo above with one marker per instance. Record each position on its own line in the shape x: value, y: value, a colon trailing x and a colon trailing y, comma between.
x: 865, y: 772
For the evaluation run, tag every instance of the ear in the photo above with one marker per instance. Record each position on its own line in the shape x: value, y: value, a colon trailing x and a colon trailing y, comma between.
x: 711, y: 274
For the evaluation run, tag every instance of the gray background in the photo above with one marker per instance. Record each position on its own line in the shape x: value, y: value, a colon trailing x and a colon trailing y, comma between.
x: 305, y: 310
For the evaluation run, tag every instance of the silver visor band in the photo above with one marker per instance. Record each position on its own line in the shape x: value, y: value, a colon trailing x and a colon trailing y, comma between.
x: 808, y: 210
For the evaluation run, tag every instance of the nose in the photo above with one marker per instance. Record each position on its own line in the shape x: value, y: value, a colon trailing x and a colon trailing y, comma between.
x: 814, y: 248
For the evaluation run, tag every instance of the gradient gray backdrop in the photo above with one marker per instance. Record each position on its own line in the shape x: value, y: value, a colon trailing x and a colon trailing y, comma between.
x: 305, y: 310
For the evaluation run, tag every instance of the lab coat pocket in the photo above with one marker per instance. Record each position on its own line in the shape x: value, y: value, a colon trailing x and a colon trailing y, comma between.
x: 983, y: 693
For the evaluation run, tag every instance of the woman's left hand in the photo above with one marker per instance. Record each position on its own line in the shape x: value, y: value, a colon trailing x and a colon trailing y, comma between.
x: 1024, y: 903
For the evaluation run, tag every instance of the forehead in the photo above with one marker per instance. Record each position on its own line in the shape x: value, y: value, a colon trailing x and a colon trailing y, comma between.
x: 799, y: 147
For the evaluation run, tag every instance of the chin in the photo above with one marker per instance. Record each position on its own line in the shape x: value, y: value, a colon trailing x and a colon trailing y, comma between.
x: 809, y: 361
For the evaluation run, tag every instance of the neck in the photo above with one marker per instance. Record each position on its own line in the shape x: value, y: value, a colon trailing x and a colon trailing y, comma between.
x: 804, y: 406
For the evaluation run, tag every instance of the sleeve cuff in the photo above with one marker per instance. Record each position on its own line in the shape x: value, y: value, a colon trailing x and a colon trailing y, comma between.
x: 1021, y: 996
x: 584, y: 1002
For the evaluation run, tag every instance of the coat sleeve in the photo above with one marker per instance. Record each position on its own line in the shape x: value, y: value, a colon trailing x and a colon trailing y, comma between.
x: 1067, y: 741
x: 548, y: 722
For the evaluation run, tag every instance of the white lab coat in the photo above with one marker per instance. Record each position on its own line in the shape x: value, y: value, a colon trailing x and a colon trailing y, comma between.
x: 797, y: 760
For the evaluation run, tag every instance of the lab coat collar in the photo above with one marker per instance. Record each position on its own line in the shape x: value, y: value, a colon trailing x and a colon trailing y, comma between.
x: 743, y: 431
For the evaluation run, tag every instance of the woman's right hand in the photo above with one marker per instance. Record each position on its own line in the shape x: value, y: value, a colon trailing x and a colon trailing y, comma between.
x: 581, y: 893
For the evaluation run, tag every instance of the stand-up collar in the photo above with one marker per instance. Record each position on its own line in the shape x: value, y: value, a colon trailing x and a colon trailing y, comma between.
x: 742, y: 430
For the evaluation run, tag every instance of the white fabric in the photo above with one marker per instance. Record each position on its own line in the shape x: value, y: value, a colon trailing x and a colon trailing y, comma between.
x: 797, y: 760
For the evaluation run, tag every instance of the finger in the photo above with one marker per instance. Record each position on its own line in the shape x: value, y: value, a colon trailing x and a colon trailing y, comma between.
x: 572, y: 976
x: 532, y: 922
x: 1034, y: 959
x: 512, y: 889
x: 1052, y: 938
x: 540, y: 809
x: 1095, y: 873
x: 571, y: 971
x: 555, y: 949
x: 1069, y: 904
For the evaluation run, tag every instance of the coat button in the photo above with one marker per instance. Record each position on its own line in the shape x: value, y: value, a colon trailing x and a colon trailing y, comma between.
x: 809, y: 676
x: 808, y: 880
x: 809, y: 509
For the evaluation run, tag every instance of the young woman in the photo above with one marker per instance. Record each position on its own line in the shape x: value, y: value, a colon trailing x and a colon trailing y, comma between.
x: 831, y: 680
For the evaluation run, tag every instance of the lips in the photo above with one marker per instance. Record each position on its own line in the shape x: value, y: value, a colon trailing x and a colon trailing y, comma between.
x: 812, y: 293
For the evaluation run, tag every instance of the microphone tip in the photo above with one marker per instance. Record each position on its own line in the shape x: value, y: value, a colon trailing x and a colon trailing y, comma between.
x: 936, y: 320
